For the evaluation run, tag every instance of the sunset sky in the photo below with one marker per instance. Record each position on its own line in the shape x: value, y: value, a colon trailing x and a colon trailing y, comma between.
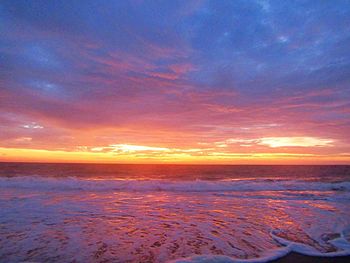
x: 224, y: 82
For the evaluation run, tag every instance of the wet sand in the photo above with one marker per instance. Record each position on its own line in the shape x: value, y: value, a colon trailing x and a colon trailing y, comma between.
x: 298, y: 258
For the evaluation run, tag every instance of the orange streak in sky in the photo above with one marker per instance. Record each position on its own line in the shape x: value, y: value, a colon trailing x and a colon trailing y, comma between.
x: 34, y: 155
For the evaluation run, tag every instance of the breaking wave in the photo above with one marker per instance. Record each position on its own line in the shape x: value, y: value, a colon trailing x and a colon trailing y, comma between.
x: 76, y: 183
x: 340, y: 243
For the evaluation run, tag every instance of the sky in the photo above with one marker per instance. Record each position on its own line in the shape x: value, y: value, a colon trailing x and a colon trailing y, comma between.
x: 222, y: 82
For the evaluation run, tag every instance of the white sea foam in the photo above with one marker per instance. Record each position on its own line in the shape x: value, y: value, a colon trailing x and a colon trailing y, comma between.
x: 75, y: 183
x: 341, y: 244
x: 267, y: 257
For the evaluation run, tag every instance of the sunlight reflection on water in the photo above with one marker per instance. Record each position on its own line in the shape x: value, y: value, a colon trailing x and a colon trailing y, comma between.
x: 160, y: 225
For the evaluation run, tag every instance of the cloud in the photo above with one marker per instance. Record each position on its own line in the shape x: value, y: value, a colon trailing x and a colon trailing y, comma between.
x: 275, y: 142
x: 32, y: 125
x: 127, y: 148
x: 175, y: 74
x: 23, y: 139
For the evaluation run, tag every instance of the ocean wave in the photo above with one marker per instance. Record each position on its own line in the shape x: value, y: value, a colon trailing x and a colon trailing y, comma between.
x: 76, y: 183
x: 341, y: 244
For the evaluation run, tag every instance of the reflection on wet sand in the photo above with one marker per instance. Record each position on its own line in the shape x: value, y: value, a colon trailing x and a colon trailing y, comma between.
x: 159, y: 226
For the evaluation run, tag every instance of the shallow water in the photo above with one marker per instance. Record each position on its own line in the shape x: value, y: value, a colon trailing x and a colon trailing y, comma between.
x: 47, y: 216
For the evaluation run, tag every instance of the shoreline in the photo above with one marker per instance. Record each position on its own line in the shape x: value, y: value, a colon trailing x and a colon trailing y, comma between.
x: 294, y: 257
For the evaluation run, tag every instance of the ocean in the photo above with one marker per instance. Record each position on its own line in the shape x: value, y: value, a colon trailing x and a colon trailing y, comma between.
x: 172, y: 213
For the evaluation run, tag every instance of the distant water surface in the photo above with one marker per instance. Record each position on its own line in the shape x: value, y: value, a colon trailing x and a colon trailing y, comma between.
x: 159, y: 213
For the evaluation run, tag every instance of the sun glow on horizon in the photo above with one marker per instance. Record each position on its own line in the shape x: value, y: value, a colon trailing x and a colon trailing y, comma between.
x: 208, y: 153
x: 275, y: 142
x: 136, y: 148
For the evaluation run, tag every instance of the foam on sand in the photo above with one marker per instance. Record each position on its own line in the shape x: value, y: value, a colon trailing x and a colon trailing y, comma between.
x: 341, y: 244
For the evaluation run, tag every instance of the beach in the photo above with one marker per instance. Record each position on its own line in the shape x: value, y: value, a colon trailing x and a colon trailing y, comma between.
x: 61, y: 213
x: 293, y: 257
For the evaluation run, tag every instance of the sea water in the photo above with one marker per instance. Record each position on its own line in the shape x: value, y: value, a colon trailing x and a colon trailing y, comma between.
x: 178, y: 213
